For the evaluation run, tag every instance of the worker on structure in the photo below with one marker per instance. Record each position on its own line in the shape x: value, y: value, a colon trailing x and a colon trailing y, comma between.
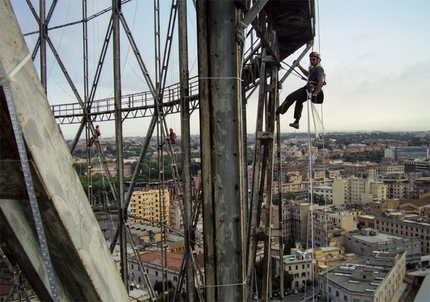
x: 316, y: 79
x: 172, y: 136
x: 93, y: 138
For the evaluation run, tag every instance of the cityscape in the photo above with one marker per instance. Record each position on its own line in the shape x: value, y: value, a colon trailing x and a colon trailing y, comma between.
x: 368, y: 202
x: 102, y: 201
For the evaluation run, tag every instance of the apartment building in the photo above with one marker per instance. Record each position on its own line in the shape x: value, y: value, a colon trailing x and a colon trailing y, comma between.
x: 421, y: 187
x: 299, y: 220
x: 176, y: 220
x: 154, y: 269
x: 286, y: 220
x: 330, y: 227
x: 300, y: 266
x: 326, y: 257
x: 145, y: 206
x: 358, y: 190
x: 391, y: 169
x: 417, y: 165
x: 379, y: 207
x: 112, y: 167
x: 367, y: 240
x: 404, y: 153
x: 325, y: 192
x: 399, y: 227
x: 398, y: 185
x: 375, y: 278
x: 341, y: 191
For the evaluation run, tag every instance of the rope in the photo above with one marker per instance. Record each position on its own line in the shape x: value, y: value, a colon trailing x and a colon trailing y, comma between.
x: 311, y: 203
x: 224, y: 285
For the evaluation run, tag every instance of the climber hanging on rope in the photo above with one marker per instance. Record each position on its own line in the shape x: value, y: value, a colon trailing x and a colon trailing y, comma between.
x: 312, y: 90
x: 93, y: 138
x: 172, y: 136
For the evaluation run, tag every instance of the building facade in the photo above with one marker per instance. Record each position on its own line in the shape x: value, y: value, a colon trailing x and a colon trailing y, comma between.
x: 367, y: 240
x: 400, y: 227
x: 146, y: 206
x: 375, y: 278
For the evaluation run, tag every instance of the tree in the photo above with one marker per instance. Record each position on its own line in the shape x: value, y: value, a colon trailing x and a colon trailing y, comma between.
x: 289, y: 244
x: 288, y: 280
x: 291, y: 196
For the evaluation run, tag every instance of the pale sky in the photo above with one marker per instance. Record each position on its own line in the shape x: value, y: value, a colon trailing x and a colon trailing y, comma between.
x: 374, y: 52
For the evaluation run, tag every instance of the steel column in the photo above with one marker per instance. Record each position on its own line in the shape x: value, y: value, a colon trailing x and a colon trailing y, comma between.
x: 221, y: 142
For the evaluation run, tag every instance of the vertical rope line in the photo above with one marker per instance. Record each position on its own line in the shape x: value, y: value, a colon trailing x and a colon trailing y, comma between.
x: 310, y: 195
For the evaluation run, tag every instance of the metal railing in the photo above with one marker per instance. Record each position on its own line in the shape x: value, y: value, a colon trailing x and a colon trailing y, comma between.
x: 134, y: 105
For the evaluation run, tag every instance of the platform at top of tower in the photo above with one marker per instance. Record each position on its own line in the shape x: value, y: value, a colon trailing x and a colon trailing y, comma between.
x: 293, y: 21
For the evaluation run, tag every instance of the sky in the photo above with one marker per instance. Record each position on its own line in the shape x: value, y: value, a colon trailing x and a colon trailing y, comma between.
x: 374, y: 52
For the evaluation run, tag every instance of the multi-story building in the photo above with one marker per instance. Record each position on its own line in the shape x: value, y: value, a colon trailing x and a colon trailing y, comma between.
x: 299, y: 220
x: 145, y: 206
x: 176, y: 220
x: 375, y: 278
x: 398, y: 185
x: 417, y: 165
x: 300, y: 266
x: 112, y: 167
x: 367, y: 240
x: 154, y: 268
x: 325, y: 192
x: 400, y: 227
x: 407, y: 152
x: 421, y: 187
x: 286, y: 220
x: 326, y: 257
x: 391, y: 169
x: 330, y: 227
x: 358, y: 190
x: 341, y: 191
x: 379, y: 207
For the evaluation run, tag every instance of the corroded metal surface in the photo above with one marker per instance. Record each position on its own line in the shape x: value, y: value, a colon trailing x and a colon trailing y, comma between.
x: 293, y: 21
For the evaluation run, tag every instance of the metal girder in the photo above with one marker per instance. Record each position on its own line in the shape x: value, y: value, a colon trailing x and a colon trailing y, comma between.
x: 71, y: 230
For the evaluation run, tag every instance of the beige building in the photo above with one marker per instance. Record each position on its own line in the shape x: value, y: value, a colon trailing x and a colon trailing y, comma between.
x: 329, y: 256
x: 400, y: 227
x: 375, y: 278
x: 391, y: 169
x: 299, y: 220
x: 286, y: 220
x: 398, y: 186
x: 330, y: 227
x: 358, y: 191
x: 299, y: 265
x: 378, y: 208
x: 340, y: 191
x: 147, y: 205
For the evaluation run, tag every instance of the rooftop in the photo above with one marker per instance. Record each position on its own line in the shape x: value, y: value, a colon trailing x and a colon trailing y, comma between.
x: 343, y: 274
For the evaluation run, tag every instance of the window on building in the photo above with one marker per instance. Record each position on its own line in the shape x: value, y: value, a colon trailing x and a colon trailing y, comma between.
x: 337, y: 293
